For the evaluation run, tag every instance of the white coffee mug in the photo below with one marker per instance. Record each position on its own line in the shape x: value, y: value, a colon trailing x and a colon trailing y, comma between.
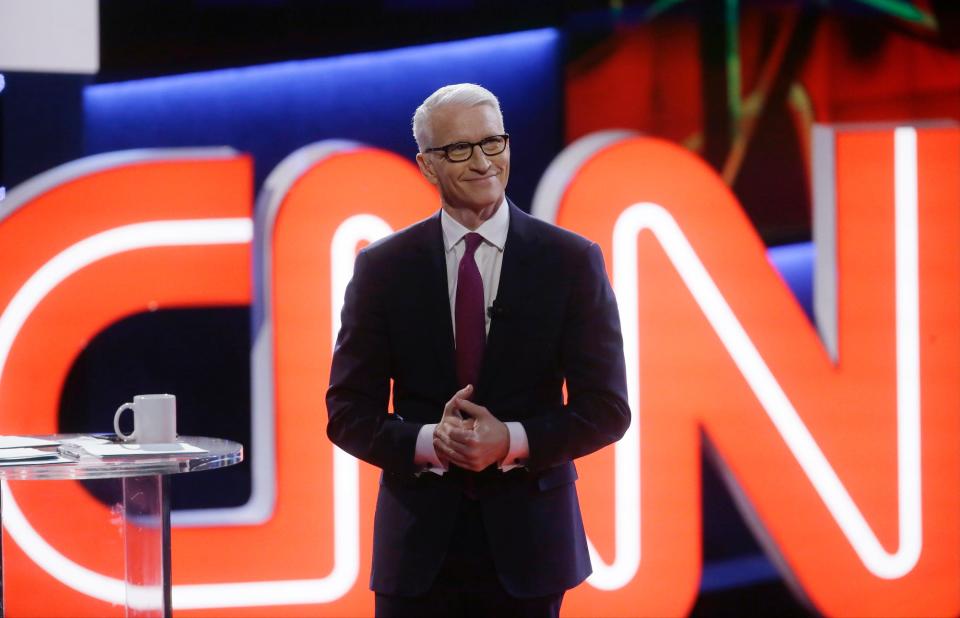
x: 154, y: 419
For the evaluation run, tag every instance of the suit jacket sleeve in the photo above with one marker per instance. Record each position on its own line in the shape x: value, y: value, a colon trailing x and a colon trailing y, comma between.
x: 357, y: 417
x: 596, y: 413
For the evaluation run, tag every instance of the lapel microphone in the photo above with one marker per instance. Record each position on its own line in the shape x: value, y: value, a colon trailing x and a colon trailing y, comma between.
x: 496, y: 310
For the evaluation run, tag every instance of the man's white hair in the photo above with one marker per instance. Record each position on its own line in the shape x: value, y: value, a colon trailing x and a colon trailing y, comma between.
x: 468, y: 95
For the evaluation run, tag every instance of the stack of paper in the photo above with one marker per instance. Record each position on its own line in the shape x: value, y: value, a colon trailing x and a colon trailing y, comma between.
x: 21, y: 450
x: 100, y: 447
x: 19, y: 454
x: 108, y: 449
x: 25, y: 441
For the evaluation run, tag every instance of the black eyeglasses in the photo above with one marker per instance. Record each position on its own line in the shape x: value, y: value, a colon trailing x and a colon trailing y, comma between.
x: 462, y: 151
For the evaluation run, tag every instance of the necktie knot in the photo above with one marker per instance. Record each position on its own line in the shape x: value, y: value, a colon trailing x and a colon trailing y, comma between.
x: 472, y: 241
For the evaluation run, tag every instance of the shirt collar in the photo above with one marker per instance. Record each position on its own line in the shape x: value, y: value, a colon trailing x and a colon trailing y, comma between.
x: 493, y: 230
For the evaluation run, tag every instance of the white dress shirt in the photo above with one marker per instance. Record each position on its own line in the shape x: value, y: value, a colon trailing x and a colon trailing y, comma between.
x: 489, y: 258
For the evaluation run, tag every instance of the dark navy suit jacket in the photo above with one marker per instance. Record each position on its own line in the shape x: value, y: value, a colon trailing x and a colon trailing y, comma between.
x: 556, y: 319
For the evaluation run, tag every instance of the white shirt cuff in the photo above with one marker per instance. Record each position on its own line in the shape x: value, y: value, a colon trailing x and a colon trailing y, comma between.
x: 519, y: 447
x: 425, y: 456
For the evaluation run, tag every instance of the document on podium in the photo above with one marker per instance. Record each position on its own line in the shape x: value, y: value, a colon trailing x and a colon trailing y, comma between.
x: 7, y: 442
x: 99, y: 447
x: 25, y: 456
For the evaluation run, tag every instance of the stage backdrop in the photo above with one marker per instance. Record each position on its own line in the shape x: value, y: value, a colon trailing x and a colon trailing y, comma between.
x: 817, y: 427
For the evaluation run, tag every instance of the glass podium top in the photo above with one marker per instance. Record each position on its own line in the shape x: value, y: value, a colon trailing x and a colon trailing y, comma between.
x: 219, y: 454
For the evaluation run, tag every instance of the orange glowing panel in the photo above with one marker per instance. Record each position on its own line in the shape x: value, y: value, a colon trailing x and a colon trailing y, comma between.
x: 840, y: 446
x: 312, y: 557
x: 84, y: 246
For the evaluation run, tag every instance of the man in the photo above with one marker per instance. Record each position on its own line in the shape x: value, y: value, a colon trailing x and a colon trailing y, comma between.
x: 478, y: 315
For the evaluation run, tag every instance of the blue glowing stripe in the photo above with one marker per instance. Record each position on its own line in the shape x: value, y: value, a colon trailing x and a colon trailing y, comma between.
x: 737, y: 573
x: 271, y: 110
x: 795, y: 265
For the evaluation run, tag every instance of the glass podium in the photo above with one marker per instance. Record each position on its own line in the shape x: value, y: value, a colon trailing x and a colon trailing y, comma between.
x: 145, y: 507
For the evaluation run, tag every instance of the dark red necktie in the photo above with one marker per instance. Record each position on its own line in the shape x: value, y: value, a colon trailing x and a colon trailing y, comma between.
x: 468, y: 309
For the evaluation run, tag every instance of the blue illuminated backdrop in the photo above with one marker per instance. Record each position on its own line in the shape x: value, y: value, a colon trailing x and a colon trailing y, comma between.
x: 271, y: 110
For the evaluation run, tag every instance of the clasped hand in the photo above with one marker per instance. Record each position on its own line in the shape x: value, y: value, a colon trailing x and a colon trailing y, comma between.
x: 468, y: 435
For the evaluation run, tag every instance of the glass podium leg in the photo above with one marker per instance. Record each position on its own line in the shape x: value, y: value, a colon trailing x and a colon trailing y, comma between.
x: 3, y: 605
x: 146, y: 540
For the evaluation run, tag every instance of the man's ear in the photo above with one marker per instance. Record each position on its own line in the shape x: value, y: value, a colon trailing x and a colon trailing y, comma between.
x: 426, y: 168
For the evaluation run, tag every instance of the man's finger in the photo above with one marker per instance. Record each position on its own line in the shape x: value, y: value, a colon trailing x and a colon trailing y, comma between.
x: 466, y: 457
x: 463, y: 393
x: 451, y: 453
x: 442, y: 432
x: 463, y: 436
x: 471, y: 408
x: 461, y: 454
x: 452, y: 408
x: 447, y: 442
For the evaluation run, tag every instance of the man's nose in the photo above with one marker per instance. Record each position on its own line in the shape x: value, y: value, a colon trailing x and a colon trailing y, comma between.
x: 479, y: 160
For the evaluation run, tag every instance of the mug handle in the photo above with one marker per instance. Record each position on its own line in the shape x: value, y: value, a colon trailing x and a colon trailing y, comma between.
x: 116, y: 423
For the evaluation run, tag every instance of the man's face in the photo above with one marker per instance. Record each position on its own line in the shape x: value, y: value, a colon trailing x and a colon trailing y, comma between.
x: 480, y: 181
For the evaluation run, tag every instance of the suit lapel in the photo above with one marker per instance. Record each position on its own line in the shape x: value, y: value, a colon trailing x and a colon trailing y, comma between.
x: 437, y: 300
x: 515, y: 280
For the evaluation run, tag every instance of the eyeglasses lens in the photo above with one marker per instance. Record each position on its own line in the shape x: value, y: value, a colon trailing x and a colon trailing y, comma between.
x: 493, y: 145
x: 462, y: 151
